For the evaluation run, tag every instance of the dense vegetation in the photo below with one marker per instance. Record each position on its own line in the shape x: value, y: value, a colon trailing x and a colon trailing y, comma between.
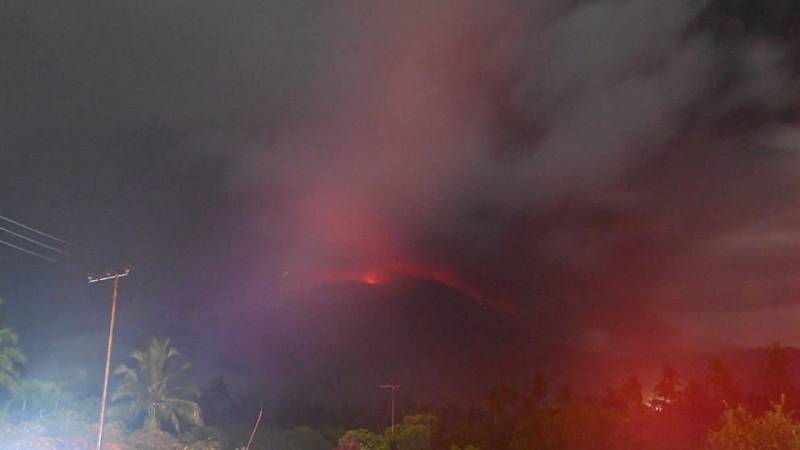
x: 153, y: 406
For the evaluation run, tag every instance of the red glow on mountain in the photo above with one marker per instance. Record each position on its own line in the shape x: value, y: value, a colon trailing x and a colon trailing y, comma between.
x: 373, y: 278
x: 406, y: 270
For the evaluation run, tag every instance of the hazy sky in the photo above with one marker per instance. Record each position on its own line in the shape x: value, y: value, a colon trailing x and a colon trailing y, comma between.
x: 604, y: 171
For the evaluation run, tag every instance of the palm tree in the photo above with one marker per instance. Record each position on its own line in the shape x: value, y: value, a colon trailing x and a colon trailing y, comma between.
x: 38, y: 398
x: 153, y: 388
x: 11, y: 357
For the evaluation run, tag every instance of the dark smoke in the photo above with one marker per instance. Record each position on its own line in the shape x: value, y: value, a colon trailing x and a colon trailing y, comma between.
x: 605, y: 171
x: 606, y: 168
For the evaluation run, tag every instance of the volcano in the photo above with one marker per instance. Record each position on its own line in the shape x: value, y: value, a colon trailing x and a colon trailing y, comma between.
x: 326, y: 350
x: 335, y: 343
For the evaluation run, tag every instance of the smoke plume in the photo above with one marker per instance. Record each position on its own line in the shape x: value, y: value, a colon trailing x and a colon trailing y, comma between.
x: 594, y: 165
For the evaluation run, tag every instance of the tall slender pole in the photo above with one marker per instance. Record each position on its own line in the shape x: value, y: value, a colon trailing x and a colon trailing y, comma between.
x: 393, y: 414
x: 392, y: 388
x: 255, y: 428
x: 108, y: 363
x: 107, y: 372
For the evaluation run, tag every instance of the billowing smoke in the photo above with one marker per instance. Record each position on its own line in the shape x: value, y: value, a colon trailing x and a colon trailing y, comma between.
x: 612, y: 173
x: 601, y: 168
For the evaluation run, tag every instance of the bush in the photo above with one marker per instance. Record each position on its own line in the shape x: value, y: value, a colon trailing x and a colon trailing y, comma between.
x: 775, y: 430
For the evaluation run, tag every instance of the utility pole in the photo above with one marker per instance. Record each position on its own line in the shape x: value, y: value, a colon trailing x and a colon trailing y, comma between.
x: 92, y: 279
x: 392, y: 388
x: 255, y: 428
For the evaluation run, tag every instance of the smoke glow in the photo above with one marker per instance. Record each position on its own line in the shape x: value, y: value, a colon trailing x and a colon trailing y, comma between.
x: 401, y: 270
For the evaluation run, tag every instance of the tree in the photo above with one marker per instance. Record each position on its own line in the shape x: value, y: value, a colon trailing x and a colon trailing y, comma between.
x: 300, y: 438
x: 566, y: 394
x: 35, y: 398
x: 503, y: 407
x: 666, y: 393
x: 631, y: 393
x: 538, y: 389
x: 627, y: 397
x: 504, y: 401
x: 723, y: 386
x: 11, y: 357
x: 777, y: 374
x: 415, y: 432
x: 216, y: 402
x: 775, y: 430
x: 153, y: 389
x: 363, y: 440
x: 573, y: 425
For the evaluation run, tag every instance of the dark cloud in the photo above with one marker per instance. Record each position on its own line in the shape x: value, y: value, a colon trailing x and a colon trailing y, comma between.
x: 597, y: 168
x: 574, y: 161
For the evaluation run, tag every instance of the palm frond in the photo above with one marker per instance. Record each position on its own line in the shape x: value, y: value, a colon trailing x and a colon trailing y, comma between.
x: 126, y: 372
x: 8, y: 336
x: 14, y: 354
x: 187, y: 410
x: 9, y: 381
x: 152, y: 387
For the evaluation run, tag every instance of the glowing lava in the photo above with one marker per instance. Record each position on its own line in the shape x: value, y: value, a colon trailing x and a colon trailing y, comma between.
x: 400, y: 270
x: 373, y: 278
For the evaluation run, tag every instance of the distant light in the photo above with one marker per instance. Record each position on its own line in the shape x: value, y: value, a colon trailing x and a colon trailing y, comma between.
x: 371, y: 278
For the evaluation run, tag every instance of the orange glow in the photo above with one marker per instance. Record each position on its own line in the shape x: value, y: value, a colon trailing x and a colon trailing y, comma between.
x: 372, y: 278
x: 406, y: 269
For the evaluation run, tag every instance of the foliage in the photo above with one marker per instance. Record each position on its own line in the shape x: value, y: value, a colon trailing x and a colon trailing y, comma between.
x: 300, y: 438
x: 415, y: 432
x: 667, y: 390
x: 34, y: 399
x: 78, y: 435
x: 777, y: 375
x: 216, y: 402
x: 722, y: 384
x: 362, y: 439
x: 538, y: 388
x: 11, y: 357
x: 154, y: 390
x: 45, y: 414
x: 775, y: 430
x: 204, y: 434
x: 572, y: 425
x: 32, y: 436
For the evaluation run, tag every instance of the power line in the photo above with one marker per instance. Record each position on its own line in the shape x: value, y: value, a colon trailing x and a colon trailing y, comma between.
x: 49, y: 236
x: 82, y: 260
x: 34, y: 241
x: 42, y: 233
x: 115, y: 276
x: 9, y: 244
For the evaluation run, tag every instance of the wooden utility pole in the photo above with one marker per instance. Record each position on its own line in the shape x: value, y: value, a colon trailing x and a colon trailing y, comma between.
x: 109, y: 276
x: 392, y: 388
x: 255, y: 428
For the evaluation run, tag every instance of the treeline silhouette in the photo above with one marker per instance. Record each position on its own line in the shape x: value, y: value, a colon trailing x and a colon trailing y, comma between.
x: 680, y: 414
x: 153, y: 406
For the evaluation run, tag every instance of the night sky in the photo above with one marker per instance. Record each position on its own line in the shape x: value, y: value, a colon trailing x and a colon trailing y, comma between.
x: 614, y: 176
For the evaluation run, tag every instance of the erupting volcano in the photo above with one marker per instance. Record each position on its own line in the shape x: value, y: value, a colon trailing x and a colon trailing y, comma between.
x: 402, y: 270
x: 374, y: 278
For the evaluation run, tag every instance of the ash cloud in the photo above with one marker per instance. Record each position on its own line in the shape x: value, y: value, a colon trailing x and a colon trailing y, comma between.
x: 577, y: 160
x: 598, y: 167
